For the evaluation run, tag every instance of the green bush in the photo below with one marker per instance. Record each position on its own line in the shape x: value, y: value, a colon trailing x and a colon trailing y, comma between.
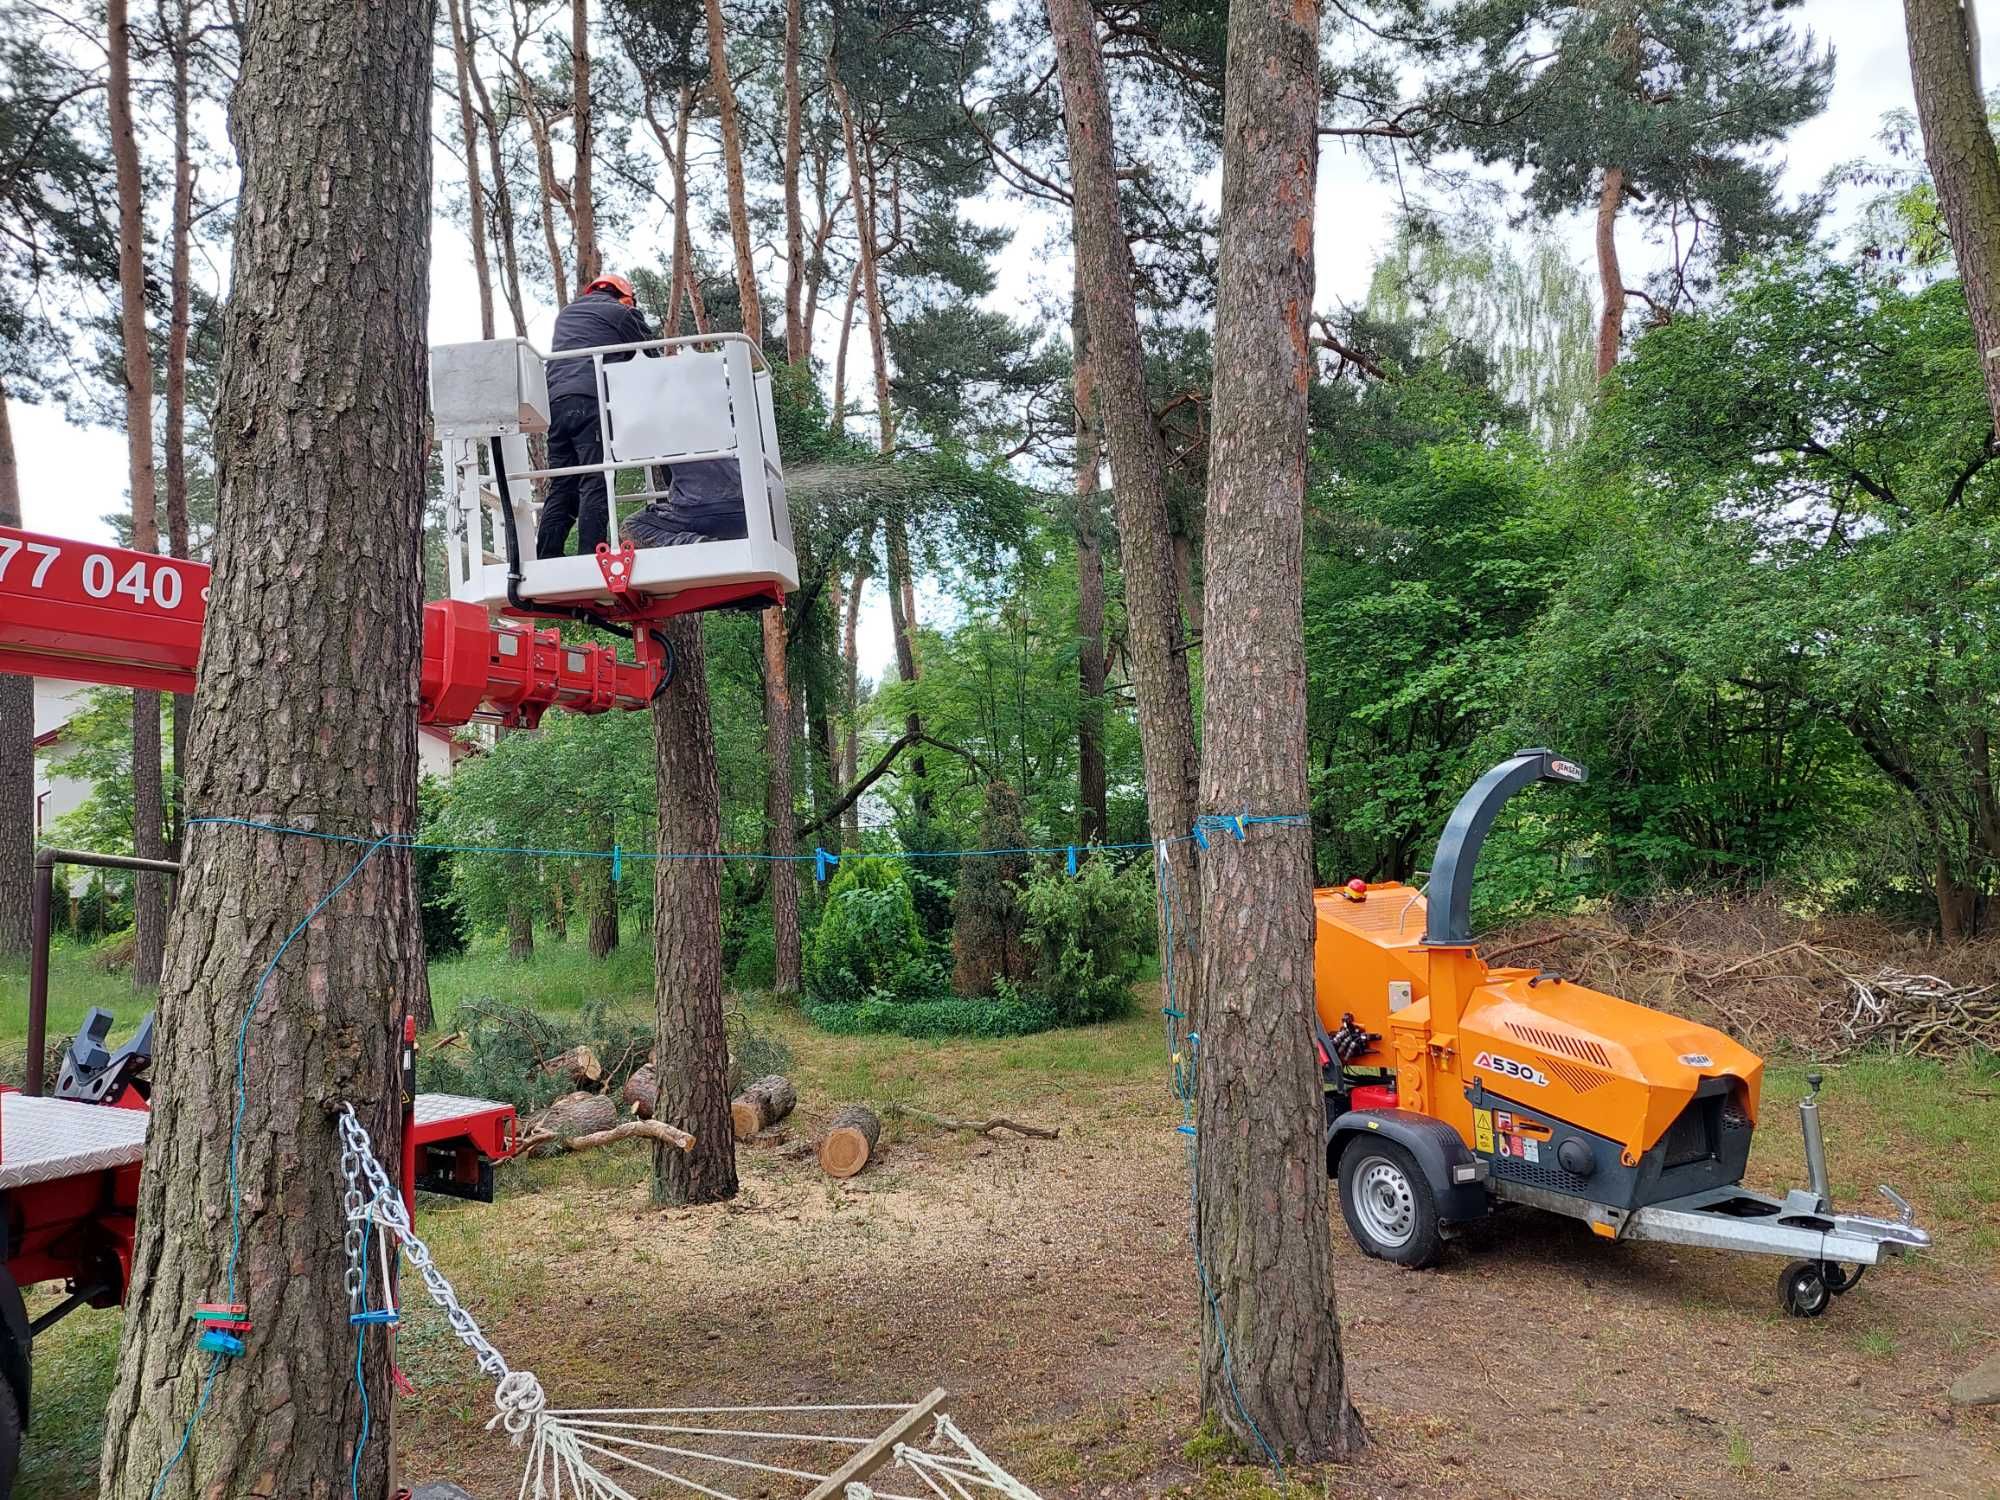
x: 1089, y: 932
x: 1000, y: 1015
x: 868, y: 943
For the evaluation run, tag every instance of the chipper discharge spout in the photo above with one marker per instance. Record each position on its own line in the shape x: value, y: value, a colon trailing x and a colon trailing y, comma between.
x: 1452, y: 1085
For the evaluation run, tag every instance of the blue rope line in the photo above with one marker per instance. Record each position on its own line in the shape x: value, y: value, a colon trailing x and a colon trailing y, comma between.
x: 360, y: 1379
x: 619, y: 855
x: 187, y: 1432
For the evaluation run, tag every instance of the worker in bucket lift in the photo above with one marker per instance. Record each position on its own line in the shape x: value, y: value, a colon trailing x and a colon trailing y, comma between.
x: 604, y: 314
x: 703, y: 503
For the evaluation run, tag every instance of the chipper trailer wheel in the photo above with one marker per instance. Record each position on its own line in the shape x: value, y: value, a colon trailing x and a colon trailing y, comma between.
x: 1388, y: 1203
x: 1804, y: 1289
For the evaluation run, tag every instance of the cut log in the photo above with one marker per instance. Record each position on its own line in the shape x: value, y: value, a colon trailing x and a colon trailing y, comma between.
x: 642, y: 1092
x: 762, y: 1104
x: 849, y: 1141
x: 579, y: 1065
x: 574, y: 1114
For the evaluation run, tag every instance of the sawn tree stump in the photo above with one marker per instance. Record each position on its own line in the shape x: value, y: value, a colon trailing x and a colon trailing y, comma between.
x: 849, y: 1141
x: 762, y: 1103
x: 575, y: 1114
x: 642, y: 1092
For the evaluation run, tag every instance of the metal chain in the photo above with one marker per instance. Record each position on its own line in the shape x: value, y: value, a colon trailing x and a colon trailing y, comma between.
x: 383, y: 1205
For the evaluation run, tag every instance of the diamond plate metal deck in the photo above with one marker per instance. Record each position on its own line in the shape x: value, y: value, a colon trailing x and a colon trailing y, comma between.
x: 434, y: 1109
x: 44, y: 1139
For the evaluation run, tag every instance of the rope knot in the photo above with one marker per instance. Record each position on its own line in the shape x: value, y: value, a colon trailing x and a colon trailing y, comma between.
x: 521, y: 1401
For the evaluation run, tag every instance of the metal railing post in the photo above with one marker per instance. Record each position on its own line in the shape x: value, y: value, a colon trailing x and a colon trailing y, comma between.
x: 40, y: 914
x: 38, y: 970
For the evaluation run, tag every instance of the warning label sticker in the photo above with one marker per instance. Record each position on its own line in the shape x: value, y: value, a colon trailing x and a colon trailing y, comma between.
x: 1482, y: 1130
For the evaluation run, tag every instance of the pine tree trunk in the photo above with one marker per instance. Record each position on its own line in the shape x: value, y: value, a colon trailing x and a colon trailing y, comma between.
x: 503, y: 195
x: 1958, y: 145
x: 903, y: 627
x: 475, y: 186
x: 526, y: 96
x: 692, y: 1046
x: 1092, y: 808
x: 180, y: 274
x: 839, y: 419
x: 603, y: 902
x: 779, y: 817
x: 520, y: 932
x: 321, y: 422
x: 732, y: 170
x: 850, y: 750
x: 1610, y: 279
x: 583, y: 199
x: 149, y: 892
x: 798, y: 334
x: 860, y: 183
x: 1159, y: 664
x: 17, y: 747
x: 676, y: 156
x: 1261, y: 1185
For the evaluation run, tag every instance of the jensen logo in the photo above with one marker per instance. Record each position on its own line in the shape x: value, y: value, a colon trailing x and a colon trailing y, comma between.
x: 1566, y: 770
x: 1494, y: 1063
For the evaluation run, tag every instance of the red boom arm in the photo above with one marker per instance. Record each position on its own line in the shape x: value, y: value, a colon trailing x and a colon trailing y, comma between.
x: 88, y: 613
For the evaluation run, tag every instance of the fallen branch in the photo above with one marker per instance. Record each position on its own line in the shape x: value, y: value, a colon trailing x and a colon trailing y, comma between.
x: 978, y: 1127
x: 650, y: 1130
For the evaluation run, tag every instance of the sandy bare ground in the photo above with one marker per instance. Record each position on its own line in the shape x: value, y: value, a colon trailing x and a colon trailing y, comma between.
x: 1048, y: 1286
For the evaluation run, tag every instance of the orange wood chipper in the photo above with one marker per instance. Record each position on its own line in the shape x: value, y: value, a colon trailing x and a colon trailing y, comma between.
x: 1452, y: 1086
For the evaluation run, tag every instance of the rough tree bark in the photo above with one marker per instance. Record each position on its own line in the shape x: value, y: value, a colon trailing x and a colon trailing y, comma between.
x: 692, y: 1045
x: 1092, y: 809
x: 179, y: 31
x: 306, y: 715
x: 149, y: 892
x: 1261, y: 1186
x: 1958, y: 145
x: 798, y: 333
x: 583, y: 202
x: 1156, y: 644
x: 732, y: 169
x: 475, y: 186
x: 1610, y: 278
x: 17, y: 746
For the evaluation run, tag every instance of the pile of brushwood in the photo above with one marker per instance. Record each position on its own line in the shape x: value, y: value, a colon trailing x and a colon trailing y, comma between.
x: 1774, y: 979
x: 528, y: 1058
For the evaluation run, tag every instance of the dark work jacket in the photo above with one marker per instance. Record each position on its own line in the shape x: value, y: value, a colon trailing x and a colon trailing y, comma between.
x: 599, y: 318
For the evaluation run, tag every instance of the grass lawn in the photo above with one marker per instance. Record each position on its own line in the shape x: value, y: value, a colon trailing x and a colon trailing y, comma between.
x: 1048, y: 1285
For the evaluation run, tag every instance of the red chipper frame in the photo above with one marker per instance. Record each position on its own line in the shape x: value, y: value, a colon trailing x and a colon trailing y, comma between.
x: 90, y: 613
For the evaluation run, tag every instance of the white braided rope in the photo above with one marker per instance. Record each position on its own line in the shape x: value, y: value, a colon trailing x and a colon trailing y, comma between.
x: 566, y: 1447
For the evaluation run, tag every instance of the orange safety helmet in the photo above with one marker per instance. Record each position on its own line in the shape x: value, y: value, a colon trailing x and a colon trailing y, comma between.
x: 617, y: 284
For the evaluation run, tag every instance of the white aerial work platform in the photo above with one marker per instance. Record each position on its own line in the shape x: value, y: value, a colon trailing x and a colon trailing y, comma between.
x: 668, y: 401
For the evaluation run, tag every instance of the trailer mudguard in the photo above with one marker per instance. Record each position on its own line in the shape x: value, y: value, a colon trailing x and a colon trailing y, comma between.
x: 16, y: 1344
x: 1457, y: 1177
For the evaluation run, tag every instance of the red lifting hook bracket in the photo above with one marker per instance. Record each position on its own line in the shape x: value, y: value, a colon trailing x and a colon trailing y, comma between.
x: 616, y: 566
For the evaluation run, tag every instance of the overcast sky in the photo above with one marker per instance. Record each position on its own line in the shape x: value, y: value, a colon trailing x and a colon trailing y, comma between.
x: 71, y: 476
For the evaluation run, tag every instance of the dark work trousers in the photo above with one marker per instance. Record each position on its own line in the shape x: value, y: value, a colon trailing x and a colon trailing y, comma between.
x: 574, y: 438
